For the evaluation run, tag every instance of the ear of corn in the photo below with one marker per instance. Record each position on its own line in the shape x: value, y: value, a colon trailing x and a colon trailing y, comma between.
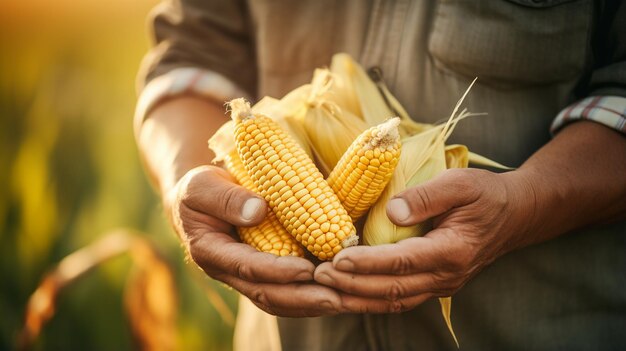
x: 365, y: 169
x: 287, y: 178
x: 269, y: 236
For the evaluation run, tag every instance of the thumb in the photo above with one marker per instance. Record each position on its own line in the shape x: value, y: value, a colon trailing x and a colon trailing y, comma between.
x: 213, y: 191
x: 416, y: 204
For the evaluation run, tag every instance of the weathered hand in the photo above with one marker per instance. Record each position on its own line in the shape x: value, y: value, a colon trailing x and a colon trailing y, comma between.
x: 477, y: 217
x: 204, y: 205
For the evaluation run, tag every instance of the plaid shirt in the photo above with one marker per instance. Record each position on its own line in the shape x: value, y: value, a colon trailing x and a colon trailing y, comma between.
x: 607, y: 110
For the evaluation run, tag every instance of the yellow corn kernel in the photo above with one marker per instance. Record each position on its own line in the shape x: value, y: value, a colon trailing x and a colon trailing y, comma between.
x: 269, y: 236
x: 367, y: 166
x: 303, y: 179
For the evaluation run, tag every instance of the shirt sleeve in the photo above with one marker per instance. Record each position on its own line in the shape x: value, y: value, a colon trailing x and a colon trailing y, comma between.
x: 200, y: 47
x: 607, y: 110
x: 602, y: 93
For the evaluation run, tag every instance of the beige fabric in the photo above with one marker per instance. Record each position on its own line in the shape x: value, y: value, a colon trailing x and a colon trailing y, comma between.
x: 255, y: 329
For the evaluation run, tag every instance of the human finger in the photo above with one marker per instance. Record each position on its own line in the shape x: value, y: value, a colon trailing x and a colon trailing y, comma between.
x: 360, y: 304
x: 409, y: 256
x: 289, y: 300
x: 388, y: 287
x: 213, y: 191
x: 218, y: 253
x: 453, y: 188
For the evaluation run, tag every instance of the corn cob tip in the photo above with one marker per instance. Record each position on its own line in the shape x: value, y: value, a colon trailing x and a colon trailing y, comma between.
x: 352, y: 240
x: 239, y: 109
x: 385, y: 134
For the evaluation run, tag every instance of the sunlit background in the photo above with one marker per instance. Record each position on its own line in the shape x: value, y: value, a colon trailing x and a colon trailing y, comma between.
x: 70, y: 175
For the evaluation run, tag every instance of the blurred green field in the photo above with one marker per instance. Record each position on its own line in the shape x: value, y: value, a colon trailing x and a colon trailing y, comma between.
x: 70, y: 173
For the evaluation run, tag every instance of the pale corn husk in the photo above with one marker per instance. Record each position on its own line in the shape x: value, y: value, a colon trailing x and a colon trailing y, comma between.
x: 343, y: 91
x: 356, y: 92
x: 222, y: 143
x: 479, y: 160
x: 457, y: 156
x: 329, y: 128
x: 371, y: 103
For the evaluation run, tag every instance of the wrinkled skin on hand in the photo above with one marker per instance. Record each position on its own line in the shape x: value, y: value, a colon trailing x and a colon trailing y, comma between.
x: 204, y: 206
x: 477, y: 217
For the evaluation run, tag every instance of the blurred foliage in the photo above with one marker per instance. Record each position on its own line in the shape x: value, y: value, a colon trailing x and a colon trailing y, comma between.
x: 70, y: 172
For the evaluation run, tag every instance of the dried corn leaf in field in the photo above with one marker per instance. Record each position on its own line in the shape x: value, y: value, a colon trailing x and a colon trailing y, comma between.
x: 150, y: 293
x: 150, y: 300
x: 42, y: 303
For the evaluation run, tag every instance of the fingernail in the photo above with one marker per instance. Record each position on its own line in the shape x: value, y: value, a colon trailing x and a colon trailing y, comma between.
x: 327, y: 305
x: 250, y: 208
x: 324, y: 278
x: 304, y: 276
x: 344, y: 265
x: 399, y: 209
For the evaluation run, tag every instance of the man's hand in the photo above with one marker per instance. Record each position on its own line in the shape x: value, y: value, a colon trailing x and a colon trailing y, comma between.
x: 575, y: 180
x: 204, y: 206
x: 474, y: 213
